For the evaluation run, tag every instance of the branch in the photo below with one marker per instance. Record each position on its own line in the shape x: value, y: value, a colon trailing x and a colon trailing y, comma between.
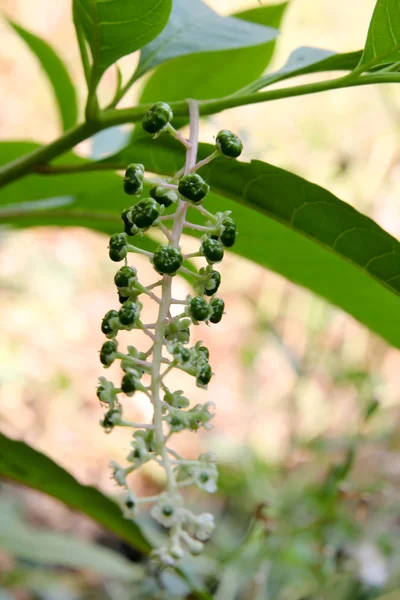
x: 38, y: 158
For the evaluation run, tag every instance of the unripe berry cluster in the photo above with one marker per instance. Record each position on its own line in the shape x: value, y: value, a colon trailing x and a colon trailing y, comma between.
x: 170, y: 348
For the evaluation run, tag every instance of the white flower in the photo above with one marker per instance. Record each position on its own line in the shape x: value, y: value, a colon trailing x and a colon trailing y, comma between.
x: 204, y: 526
x: 140, y: 453
x: 205, y: 477
x: 163, y: 556
x: 208, y: 457
x: 119, y: 473
x: 168, y: 511
x: 129, y: 505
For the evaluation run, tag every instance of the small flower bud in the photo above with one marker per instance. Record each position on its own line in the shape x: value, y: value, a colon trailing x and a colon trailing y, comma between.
x: 176, y: 399
x: 119, y: 474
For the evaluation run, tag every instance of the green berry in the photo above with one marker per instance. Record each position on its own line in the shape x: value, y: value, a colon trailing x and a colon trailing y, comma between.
x: 125, y: 276
x: 129, y: 384
x: 129, y: 313
x: 145, y: 213
x: 109, y: 324
x: 108, y: 353
x: 181, y: 353
x: 212, y: 284
x: 205, y: 351
x: 228, y: 234
x: 193, y: 187
x: 122, y: 298
x: 204, y: 374
x: 217, y: 306
x: 133, y: 180
x: 198, y: 309
x: 167, y: 260
x: 229, y: 144
x: 109, y: 419
x: 163, y: 196
x: 213, y: 250
x: 156, y: 119
x: 129, y: 227
x: 117, y: 247
x: 126, y: 215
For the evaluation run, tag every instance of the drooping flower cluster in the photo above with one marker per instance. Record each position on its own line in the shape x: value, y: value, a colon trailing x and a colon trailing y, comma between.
x: 170, y: 348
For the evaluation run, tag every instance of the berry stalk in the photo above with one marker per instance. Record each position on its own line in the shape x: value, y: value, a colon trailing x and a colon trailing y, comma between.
x: 172, y: 413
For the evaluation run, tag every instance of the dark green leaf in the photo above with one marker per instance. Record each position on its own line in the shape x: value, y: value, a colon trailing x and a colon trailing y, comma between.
x: 193, y: 27
x: 57, y: 73
x: 383, y: 39
x: 23, y: 464
x: 191, y: 76
x: 115, y: 28
x: 19, y: 539
x: 299, y: 230
x: 287, y: 224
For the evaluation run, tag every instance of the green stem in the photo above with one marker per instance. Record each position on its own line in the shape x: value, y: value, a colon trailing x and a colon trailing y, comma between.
x: 29, y: 163
x: 121, y: 93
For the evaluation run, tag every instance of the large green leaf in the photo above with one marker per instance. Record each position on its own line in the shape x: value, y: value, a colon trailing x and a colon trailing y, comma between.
x: 194, y: 27
x: 23, y: 464
x: 19, y: 539
x: 299, y: 230
x: 115, y: 28
x: 191, y: 76
x: 383, y: 39
x: 287, y: 224
x: 57, y: 74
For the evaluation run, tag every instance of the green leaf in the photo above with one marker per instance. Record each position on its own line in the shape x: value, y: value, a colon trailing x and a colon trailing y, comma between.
x: 383, y: 39
x: 306, y: 60
x: 286, y: 224
x: 193, y: 27
x: 115, y: 28
x: 21, y: 540
x: 23, y: 464
x: 191, y: 76
x: 299, y: 230
x: 57, y: 74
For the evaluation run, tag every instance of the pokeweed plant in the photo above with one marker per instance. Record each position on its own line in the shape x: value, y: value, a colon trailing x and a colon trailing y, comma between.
x: 287, y: 224
x: 169, y: 335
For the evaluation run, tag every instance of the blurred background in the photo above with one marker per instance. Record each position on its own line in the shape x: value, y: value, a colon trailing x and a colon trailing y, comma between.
x: 296, y: 382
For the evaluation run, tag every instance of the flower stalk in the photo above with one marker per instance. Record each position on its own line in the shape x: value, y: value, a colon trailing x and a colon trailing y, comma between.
x: 172, y: 411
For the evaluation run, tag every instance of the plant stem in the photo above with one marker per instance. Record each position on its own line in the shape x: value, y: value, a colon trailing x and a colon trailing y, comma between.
x: 164, y: 308
x: 109, y: 118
